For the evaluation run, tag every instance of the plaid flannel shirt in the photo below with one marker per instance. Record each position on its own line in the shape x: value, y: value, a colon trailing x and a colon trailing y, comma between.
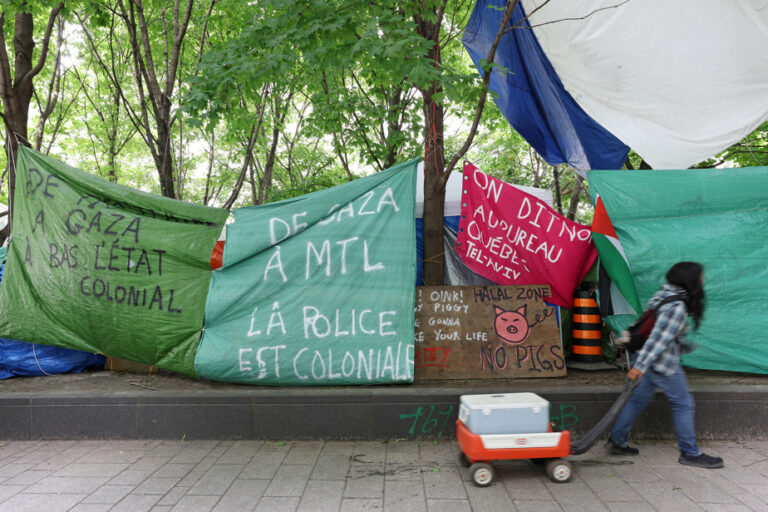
x: 661, y: 351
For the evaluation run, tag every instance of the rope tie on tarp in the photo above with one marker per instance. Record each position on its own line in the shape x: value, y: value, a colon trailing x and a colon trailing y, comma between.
x: 34, y: 353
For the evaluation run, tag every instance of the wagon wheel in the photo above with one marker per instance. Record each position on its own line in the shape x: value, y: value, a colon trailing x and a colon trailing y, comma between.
x: 482, y: 474
x: 559, y: 471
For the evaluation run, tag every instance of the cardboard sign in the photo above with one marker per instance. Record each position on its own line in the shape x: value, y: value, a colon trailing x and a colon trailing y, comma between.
x: 486, y: 332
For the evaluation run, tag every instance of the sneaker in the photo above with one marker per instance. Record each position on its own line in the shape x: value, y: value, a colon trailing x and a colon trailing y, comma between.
x: 615, y: 449
x: 701, y: 460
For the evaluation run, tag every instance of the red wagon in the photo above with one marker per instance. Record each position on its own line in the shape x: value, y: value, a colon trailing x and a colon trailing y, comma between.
x: 479, y: 451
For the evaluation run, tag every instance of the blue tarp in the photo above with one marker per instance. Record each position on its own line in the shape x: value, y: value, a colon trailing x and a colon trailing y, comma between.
x: 451, y: 222
x: 532, y: 97
x: 31, y: 359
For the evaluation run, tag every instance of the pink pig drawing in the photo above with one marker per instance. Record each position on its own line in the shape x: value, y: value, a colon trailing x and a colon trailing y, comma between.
x: 511, y: 326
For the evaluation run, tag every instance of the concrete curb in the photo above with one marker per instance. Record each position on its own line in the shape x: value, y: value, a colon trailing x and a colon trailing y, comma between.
x: 734, y: 412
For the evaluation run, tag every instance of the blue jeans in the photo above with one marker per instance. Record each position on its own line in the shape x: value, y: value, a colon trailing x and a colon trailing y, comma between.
x: 675, y: 387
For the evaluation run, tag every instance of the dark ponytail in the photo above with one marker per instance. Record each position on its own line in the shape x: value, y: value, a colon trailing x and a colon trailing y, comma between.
x: 687, y: 275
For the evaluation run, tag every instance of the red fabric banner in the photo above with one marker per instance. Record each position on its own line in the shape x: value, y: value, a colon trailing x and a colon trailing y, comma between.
x: 512, y: 237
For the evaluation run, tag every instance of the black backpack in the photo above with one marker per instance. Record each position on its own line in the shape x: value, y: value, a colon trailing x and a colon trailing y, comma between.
x: 634, y: 337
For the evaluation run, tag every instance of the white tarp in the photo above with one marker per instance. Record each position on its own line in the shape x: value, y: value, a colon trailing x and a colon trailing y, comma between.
x: 676, y: 81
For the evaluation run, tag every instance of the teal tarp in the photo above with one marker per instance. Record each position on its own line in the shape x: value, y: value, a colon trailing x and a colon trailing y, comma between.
x: 318, y: 289
x: 716, y: 217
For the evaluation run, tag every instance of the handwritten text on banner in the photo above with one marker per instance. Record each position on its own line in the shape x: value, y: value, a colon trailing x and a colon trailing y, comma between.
x: 317, y: 290
x: 100, y: 267
x: 512, y: 237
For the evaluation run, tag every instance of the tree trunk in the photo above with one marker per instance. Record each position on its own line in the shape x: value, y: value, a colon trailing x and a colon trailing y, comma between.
x: 16, y: 98
x: 573, y: 205
x: 538, y: 167
x: 159, y: 87
x: 164, y: 158
x: 436, y: 172
x: 556, y: 183
x: 114, y: 116
x: 434, y: 163
x: 252, y: 179
x: 266, y: 180
x: 211, y: 155
x: 17, y: 92
x: 247, y: 163
x: 54, y: 89
x: 434, y: 191
x: 395, y: 104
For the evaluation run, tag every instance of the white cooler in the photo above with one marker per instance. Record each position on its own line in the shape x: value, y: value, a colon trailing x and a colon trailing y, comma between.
x: 505, y: 413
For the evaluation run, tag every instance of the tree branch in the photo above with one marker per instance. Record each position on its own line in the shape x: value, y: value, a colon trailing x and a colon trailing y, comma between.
x: 568, y: 19
x: 46, y: 40
x: 140, y: 122
x: 241, y: 177
x: 483, y: 96
x: 6, y: 87
x: 148, y: 63
x: 179, y: 31
x: 54, y: 89
x: 364, y: 134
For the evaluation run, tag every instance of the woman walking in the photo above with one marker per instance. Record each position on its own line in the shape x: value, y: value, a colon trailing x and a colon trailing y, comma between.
x: 657, y: 365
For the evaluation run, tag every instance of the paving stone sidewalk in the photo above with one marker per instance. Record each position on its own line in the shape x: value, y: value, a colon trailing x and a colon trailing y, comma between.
x: 339, y: 476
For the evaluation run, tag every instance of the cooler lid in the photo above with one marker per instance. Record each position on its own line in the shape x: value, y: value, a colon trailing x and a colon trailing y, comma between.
x: 504, y: 401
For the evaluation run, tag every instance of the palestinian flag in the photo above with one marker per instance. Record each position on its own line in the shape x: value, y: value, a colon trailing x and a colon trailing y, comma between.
x: 614, y: 261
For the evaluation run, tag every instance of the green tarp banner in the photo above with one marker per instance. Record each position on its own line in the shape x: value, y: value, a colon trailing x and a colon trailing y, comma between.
x: 103, y: 268
x: 2, y: 254
x: 716, y: 217
x: 317, y: 290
